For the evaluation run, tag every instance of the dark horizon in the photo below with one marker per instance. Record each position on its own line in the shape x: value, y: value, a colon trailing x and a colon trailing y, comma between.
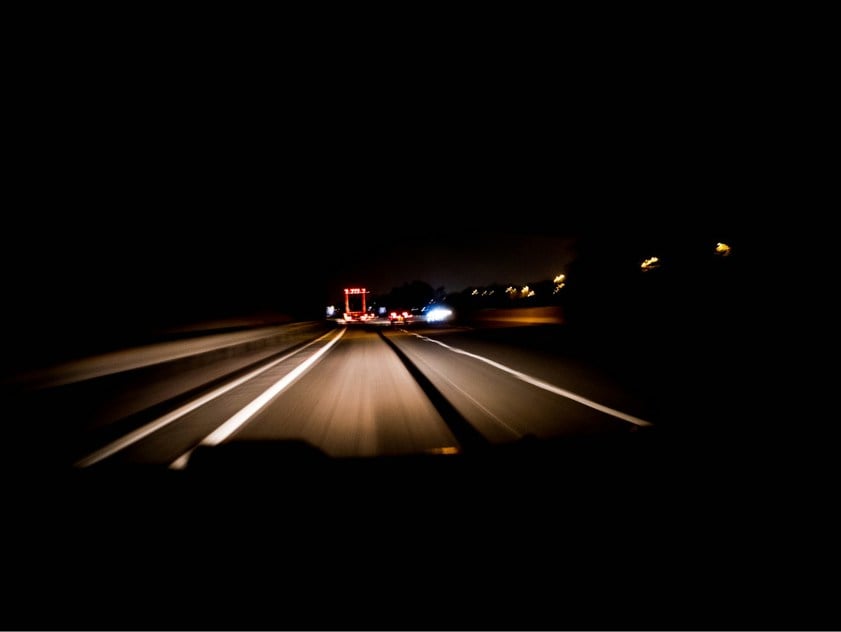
x: 138, y: 218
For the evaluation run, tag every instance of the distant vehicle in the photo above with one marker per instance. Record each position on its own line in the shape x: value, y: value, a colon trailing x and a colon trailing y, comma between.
x: 437, y: 313
x: 355, y: 304
x: 400, y: 316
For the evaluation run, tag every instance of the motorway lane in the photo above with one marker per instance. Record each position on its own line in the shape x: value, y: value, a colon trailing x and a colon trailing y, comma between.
x: 170, y: 437
x: 548, y: 354
x: 504, y: 407
x: 60, y: 413
x: 359, y: 401
x: 130, y: 392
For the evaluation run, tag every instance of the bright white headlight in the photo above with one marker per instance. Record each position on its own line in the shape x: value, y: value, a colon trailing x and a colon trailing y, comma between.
x: 438, y: 313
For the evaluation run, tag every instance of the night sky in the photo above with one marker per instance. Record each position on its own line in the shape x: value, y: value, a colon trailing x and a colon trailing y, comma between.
x: 458, y: 259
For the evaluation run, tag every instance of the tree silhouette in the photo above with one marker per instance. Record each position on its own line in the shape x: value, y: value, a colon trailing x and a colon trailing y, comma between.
x: 411, y: 295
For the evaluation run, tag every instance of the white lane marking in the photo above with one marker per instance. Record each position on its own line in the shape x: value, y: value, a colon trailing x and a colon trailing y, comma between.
x: 236, y: 421
x: 145, y: 431
x: 545, y: 385
x: 181, y: 462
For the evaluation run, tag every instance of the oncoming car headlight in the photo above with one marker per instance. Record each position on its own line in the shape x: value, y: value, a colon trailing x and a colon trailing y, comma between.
x: 438, y: 314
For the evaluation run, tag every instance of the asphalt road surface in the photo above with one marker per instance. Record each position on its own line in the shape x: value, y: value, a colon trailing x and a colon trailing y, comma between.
x: 406, y: 477
x: 344, y: 391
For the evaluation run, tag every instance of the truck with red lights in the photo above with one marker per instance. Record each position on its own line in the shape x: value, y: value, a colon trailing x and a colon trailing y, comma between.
x: 355, y: 304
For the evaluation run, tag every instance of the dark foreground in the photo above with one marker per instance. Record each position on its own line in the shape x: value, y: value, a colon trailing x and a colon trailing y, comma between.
x: 547, y: 536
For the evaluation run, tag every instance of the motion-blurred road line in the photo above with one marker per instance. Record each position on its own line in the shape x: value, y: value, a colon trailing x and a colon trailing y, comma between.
x: 235, y: 422
x: 545, y: 385
x: 140, y: 357
x: 239, y: 419
x: 153, y: 426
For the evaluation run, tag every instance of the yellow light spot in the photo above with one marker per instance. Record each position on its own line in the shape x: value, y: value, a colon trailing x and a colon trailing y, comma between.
x: 560, y: 278
x: 450, y: 449
x: 649, y: 264
x: 722, y: 249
